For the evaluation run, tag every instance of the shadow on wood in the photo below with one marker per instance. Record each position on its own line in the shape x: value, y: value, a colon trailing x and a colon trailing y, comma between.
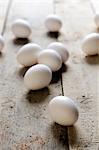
x: 64, y: 68
x: 54, y: 35
x: 56, y: 76
x: 1, y: 54
x: 21, y: 41
x: 97, y: 30
x: 60, y: 134
x: 73, y: 137
x: 37, y: 96
x: 22, y: 71
x: 93, y: 60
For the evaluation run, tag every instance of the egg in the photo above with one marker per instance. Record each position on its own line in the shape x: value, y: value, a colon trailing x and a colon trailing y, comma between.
x: 53, y: 23
x: 63, y: 110
x: 27, y: 54
x: 90, y: 44
x: 96, y: 19
x: 61, y: 49
x: 21, y: 28
x: 38, y: 77
x: 50, y: 58
x: 1, y: 42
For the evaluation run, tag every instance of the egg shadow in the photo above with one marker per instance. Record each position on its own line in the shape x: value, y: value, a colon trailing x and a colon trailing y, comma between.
x: 72, y: 130
x: 60, y: 133
x: 37, y: 96
x: 22, y: 71
x: 1, y: 54
x: 21, y: 41
x: 96, y: 30
x: 92, y: 60
x: 56, y: 76
x: 54, y: 35
x: 64, y: 68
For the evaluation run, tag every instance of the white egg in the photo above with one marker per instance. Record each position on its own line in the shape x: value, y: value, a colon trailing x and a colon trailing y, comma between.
x: 96, y: 19
x: 90, y: 44
x: 1, y: 42
x: 50, y: 58
x: 38, y: 77
x: 61, y: 49
x: 27, y: 55
x: 63, y: 110
x: 53, y: 23
x: 21, y: 28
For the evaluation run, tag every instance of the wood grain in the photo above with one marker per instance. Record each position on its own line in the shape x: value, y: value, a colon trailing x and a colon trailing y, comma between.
x: 80, y: 82
x: 95, y: 6
x: 4, y: 7
x: 24, y: 120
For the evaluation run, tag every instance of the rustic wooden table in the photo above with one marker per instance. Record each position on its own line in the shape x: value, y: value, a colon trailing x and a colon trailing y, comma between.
x: 24, y: 120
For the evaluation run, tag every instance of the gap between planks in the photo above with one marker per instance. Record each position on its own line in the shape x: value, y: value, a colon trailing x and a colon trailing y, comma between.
x: 28, y: 111
x: 71, y: 11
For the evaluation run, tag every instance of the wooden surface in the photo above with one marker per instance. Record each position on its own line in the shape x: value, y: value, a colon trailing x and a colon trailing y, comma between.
x: 24, y: 120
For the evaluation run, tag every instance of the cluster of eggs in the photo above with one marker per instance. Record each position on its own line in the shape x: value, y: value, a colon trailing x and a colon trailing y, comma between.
x: 62, y: 109
x: 45, y: 61
x: 42, y: 63
x: 21, y: 28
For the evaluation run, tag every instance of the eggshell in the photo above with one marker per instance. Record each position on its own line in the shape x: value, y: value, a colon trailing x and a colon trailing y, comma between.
x: 1, y: 42
x: 90, y: 44
x: 21, y: 28
x: 50, y: 58
x: 63, y: 110
x: 53, y: 23
x: 96, y: 19
x: 38, y: 77
x: 61, y: 49
x: 27, y: 55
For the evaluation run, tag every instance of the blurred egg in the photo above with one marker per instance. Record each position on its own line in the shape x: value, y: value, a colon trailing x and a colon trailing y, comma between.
x: 53, y: 23
x: 61, y: 49
x: 90, y: 44
x: 21, y: 28
x: 27, y: 55
x: 38, y: 77
x: 50, y: 58
x: 63, y: 110
x: 1, y: 42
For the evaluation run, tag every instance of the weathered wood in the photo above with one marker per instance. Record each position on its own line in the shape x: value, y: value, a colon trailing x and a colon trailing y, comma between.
x: 4, y: 7
x: 24, y: 120
x: 81, y: 79
x: 94, y: 6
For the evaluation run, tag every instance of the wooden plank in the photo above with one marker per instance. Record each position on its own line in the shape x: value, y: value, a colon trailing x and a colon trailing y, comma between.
x: 80, y: 81
x: 24, y: 119
x: 4, y: 7
x: 95, y: 6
